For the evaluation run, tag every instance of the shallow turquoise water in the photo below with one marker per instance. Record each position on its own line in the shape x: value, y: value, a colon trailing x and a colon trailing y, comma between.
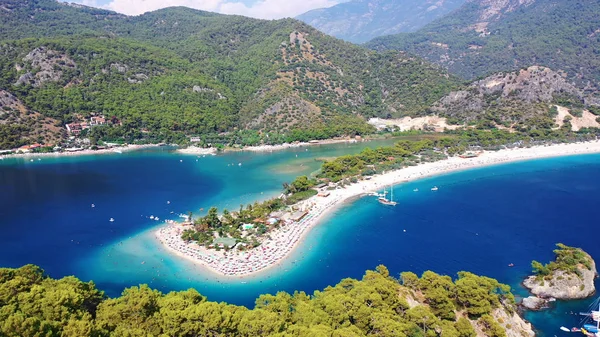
x: 480, y: 220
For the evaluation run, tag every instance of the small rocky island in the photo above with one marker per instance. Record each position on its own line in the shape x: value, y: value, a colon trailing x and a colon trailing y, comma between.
x: 570, y: 276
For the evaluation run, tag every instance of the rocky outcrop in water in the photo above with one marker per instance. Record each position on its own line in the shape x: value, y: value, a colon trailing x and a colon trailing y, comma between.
x: 534, y: 303
x: 563, y: 285
x: 570, y: 276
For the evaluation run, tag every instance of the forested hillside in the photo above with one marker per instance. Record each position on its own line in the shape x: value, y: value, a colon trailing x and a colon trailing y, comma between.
x: 487, y: 36
x: 32, y: 304
x: 178, y: 72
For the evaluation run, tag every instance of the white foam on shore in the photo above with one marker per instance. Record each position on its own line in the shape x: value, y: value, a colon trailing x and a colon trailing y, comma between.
x: 284, y: 240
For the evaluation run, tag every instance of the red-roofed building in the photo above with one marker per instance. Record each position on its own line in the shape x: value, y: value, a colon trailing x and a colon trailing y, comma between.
x: 76, y: 128
x: 28, y: 148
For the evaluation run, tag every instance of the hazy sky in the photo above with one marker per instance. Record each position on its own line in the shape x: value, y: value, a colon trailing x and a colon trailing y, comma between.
x: 264, y: 9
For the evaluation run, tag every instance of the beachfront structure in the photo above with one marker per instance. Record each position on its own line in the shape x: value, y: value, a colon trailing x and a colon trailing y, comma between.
x: 324, y: 194
x: 298, y: 215
x: 29, y: 148
x: 225, y: 242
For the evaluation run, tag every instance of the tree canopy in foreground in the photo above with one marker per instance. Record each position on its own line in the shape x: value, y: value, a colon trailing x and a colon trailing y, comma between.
x: 33, y: 304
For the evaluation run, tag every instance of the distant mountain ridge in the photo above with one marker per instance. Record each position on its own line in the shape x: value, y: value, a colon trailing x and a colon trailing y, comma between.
x: 362, y: 20
x: 487, y: 36
x: 176, y: 72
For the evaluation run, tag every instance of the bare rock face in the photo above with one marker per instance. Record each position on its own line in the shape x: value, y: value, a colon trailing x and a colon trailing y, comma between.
x: 534, y: 84
x: 505, y: 91
x: 137, y: 78
x: 534, y: 303
x: 8, y: 102
x: 564, y: 286
x: 571, y: 276
x: 120, y: 68
x: 513, y: 324
x: 46, y: 66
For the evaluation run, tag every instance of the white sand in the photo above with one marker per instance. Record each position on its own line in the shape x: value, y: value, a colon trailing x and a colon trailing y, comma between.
x: 271, y: 252
x: 271, y: 148
x: 194, y: 150
x: 114, y: 150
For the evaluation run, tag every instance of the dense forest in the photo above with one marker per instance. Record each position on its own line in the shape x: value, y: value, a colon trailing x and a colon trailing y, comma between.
x: 568, y: 259
x: 178, y: 72
x: 479, y: 39
x: 33, y: 304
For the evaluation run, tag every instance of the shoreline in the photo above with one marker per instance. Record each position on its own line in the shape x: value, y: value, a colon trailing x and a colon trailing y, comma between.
x: 273, y: 253
x: 190, y: 150
x: 284, y: 146
x: 195, y: 150
x: 87, y: 152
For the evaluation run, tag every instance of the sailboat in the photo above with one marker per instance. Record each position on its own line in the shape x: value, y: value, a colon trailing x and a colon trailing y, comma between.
x: 592, y: 330
x: 389, y: 202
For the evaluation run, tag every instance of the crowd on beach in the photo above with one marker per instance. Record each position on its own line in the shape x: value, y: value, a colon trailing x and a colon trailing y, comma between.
x: 283, y: 240
x: 279, y: 243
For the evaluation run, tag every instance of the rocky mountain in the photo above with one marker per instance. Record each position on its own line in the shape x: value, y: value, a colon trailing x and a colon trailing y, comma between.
x: 487, y: 36
x: 16, y: 120
x: 359, y: 21
x: 521, y: 100
x: 177, y: 72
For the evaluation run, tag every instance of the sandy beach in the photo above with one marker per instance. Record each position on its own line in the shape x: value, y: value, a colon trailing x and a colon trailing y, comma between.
x: 113, y: 150
x: 198, y: 151
x: 285, y: 239
x: 194, y: 150
x: 271, y: 148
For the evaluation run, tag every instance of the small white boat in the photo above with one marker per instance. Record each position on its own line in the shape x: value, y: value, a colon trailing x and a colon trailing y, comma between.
x: 416, y: 190
x: 156, y: 218
x: 435, y: 188
x: 111, y: 220
x: 93, y: 205
x: 31, y: 160
x: 181, y: 160
x: 117, y: 151
x: 152, y: 217
x: 168, y: 202
x: 565, y: 329
x: 239, y: 164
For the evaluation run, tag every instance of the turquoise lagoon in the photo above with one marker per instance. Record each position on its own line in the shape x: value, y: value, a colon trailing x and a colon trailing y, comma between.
x: 480, y: 220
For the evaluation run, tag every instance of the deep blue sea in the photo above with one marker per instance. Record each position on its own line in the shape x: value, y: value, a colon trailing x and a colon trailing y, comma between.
x: 479, y: 220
